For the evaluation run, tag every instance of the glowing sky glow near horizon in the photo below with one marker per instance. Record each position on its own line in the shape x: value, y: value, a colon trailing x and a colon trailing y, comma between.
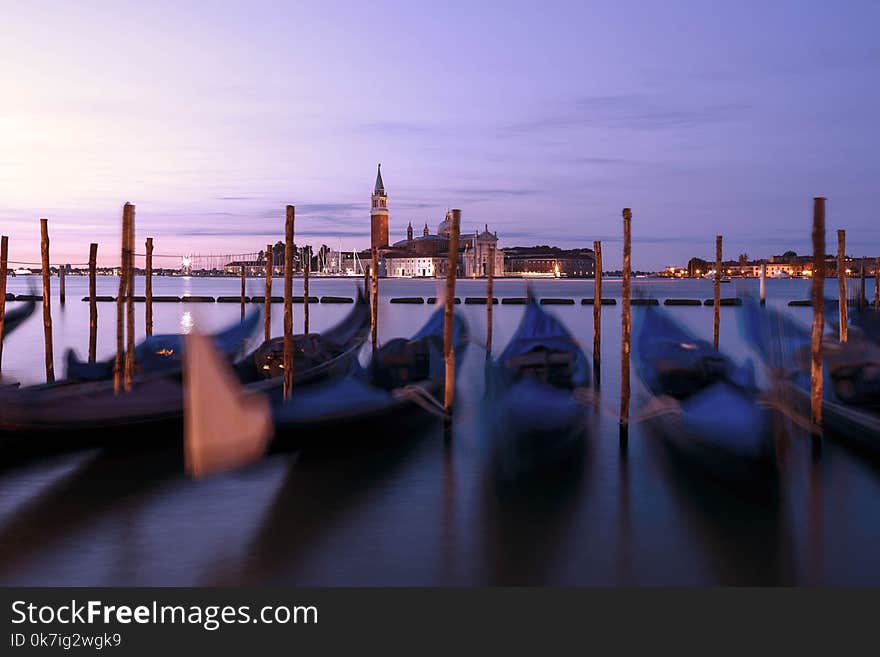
x: 541, y: 119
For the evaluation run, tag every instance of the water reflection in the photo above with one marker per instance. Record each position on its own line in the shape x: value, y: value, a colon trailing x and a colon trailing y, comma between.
x: 526, y: 519
x: 744, y: 531
x: 320, y: 489
x: 186, y: 322
x: 413, y: 511
x: 106, y: 482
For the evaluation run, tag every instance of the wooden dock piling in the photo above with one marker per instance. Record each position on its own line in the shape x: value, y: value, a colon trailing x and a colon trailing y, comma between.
x: 47, y: 305
x: 288, y: 303
x: 267, y: 299
x: 4, y: 265
x: 148, y: 288
x: 62, y: 296
x: 128, y: 374
x: 490, y: 299
x: 93, y: 306
x: 626, y: 327
x: 597, y: 312
x: 374, y: 297
x: 366, y: 283
x: 448, y: 313
x: 120, y: 308
x: 862, y: 298
x: 716, y: 311
x: 818, y: 312
x: 243, y: 296
x: 307, y: 266
x: 877, y: 284
x: 841, y: 285
x: 763, y: 285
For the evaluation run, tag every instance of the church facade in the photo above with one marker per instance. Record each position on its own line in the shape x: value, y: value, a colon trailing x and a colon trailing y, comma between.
x: 427, y: 255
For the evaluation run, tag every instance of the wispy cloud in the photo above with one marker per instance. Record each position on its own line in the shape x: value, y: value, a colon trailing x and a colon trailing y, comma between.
x: 471, y: 194
x: 402, y: 128
x: 631, y: 112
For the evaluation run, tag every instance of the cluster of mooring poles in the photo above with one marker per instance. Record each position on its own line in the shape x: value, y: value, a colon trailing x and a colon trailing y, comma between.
x: 124, y: 363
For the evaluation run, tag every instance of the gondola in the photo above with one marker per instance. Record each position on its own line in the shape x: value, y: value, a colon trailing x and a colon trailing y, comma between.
x: 404, y: 380
x: 163, y: 353
x: 47, y: 419
x: 851, y: 375
x: 706, y: 408
x: 16, y: 316
x: 867, y: 320
x: 317, y: 356
x: 538, y: 420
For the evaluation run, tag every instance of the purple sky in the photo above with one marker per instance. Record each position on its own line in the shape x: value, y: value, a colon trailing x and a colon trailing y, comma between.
x: 542, y: 119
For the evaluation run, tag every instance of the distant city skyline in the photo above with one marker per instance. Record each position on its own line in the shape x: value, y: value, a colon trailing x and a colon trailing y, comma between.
x: 541, y: 120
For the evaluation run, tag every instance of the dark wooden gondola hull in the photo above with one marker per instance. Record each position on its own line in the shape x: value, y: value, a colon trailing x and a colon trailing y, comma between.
x: 537, y: 433
x: 363, y: 407
x: 857, y: 429
x: 15, y: 317
x: 396, y: 419
x: 47, y: 420
x: 163, y: 353
x: 692, y: 452
x: 704, y: 407
x: 537, y: 423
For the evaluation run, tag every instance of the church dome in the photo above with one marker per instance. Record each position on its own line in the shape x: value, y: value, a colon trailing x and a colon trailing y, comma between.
x: 445, y: 227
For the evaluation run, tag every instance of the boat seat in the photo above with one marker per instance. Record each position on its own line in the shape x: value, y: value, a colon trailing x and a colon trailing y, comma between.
x: 268, y: 360
x: 540, y: 358
x: 401, y: 362
x: 553, y: 367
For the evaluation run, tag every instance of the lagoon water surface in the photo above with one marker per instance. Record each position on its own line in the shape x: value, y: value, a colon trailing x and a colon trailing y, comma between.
x: 421, y: 511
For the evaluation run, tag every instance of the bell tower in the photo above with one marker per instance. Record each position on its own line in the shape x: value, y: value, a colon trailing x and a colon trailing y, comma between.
x: 379, y: 214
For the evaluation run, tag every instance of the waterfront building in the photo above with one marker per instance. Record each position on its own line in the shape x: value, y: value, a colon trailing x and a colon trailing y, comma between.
x: 251, y: 267
x: 786, y: 265
x: 549, y: 261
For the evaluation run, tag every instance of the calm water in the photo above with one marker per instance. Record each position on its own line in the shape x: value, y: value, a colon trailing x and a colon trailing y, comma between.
x: 423, y: 513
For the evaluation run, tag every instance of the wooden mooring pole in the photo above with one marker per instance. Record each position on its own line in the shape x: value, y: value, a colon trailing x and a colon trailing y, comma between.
x: 307, y: 267
x: 243, y: 298
x: 267, y: 300
x: 863, y: 301
x: 762, y: 289
x: 877, y: 284
x: 62, y: 296
x: 716, y: 314
x: 597, y: 312
x: 449, y: 313
x: 626, y: 327
x: 288, y: 303
x: 148, y: 288
x: 818, y: 313
x: 129, y: 301
x: 120, y: 308
x: 366, y: 282
x: 4, y: 265
x: 93, y: 306
x: 841, y: 285
x: 47, y: 305
x: 490, y: 298
x: 374, y: 298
